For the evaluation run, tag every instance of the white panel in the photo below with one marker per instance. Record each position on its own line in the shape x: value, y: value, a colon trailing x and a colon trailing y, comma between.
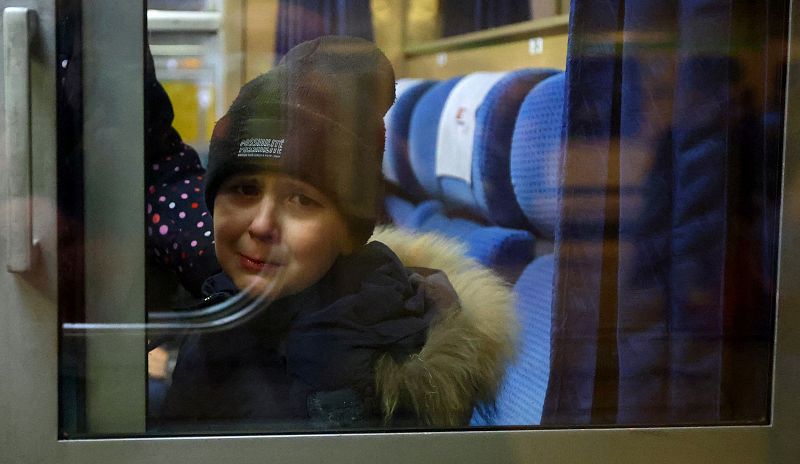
x: 454, y: 145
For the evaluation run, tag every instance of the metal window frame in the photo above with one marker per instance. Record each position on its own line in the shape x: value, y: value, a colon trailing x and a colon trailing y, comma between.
x: 29, y: 334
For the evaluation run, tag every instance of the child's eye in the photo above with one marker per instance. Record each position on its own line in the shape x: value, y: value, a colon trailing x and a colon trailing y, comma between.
x: 247, y: 189
x: 302, y: 199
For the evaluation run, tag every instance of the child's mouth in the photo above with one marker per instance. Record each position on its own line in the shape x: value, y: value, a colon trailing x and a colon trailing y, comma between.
x: 255, y: 265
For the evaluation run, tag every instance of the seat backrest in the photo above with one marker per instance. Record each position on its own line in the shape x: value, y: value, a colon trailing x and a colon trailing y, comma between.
x: 536, y: 154
x: 424, y: 132
x: 474, y: 144
x: 396, y: 164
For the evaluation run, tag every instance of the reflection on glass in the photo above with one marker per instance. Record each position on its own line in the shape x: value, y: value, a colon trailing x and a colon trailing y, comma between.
x: 184, y: 5
x: 593, y: 243
x: 434, y: 19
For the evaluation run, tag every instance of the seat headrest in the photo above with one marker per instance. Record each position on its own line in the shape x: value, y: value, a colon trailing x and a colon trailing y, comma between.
x: 537, y: 151
x: 396, y: 164
x: 423, y: 133
x: 474, y: 143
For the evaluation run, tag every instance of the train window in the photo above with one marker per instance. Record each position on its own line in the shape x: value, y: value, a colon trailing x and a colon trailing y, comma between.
x: 349, y: 220
x: 662, y: 257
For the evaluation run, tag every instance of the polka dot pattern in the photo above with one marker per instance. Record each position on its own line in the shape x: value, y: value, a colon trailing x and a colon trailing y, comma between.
x: 180, y: 232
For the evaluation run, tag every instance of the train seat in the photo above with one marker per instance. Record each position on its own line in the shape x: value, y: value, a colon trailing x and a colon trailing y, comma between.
x: 473, y: 144
x: 536, y: 154
x: 537, y: 151
x: 517, y: 149
x: 459, y: 142
x: 423, y: 134
x: 522, y: 395
x: 506, y: 251
x: 396, y: 164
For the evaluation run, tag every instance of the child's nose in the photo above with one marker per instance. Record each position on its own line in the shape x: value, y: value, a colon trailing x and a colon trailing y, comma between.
x: 265, y: 223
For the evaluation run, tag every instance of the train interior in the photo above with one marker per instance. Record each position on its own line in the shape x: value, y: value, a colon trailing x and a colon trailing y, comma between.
x: 618, y: 164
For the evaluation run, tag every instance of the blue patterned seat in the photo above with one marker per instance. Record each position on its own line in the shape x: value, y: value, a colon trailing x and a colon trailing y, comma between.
x: 396, y: 163
x: 536, y: 154
x: 474, y: 144
x: 520, y: 400
x: 423, y: 135
x: 506, y: 251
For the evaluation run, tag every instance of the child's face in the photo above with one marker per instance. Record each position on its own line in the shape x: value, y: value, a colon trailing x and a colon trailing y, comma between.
x: 276, y: 235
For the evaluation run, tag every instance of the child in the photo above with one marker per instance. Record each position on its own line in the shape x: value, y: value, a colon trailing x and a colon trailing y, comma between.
x: 346, y: 334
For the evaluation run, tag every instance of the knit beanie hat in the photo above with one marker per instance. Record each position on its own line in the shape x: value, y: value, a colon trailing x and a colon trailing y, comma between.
x: 317, y: 116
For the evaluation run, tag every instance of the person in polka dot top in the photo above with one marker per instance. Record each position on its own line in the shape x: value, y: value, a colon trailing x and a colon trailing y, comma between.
x: 179, y: 228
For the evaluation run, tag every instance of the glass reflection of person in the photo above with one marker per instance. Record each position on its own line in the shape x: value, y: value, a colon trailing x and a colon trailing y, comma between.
x: 349, y: 334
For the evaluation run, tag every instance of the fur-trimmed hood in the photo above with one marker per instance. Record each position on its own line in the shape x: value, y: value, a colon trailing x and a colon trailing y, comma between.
x: 468, y: 347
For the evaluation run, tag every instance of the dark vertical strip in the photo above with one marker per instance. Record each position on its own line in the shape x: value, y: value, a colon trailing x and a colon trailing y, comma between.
x: 754, y: 200
x: 703, y: 119
x: 606, y: 385
x: 302, y: 20
x: 776, y: 62
x: 332, y: 22
x: 745, y: 157
x: 70, y: 222
x: 581, y: 227
x: 645, y: 209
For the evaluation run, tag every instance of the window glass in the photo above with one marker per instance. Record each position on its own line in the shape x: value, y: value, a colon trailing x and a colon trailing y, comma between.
x: 373, y: 215
x: 184, y: 5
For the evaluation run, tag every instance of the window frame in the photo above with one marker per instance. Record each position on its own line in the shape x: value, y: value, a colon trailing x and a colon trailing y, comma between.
x: 29, y: 341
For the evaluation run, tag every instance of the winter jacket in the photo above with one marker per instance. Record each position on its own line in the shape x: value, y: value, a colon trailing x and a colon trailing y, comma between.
x: 466, y: 352
x: 383, y: 339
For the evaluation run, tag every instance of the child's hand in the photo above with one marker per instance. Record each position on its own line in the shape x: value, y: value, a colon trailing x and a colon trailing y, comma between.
x: 157, y: 360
